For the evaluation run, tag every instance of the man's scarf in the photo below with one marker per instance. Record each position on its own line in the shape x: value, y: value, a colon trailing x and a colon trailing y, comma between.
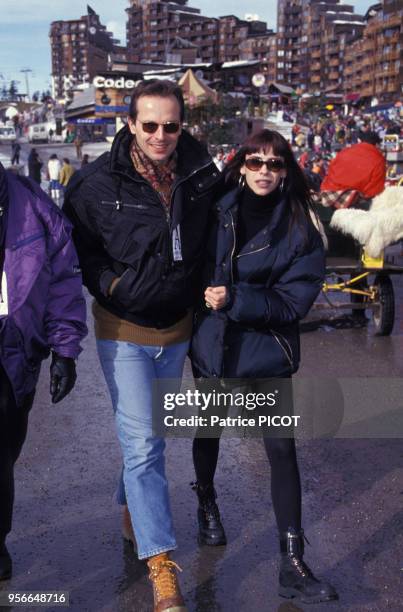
x: 160, y: 176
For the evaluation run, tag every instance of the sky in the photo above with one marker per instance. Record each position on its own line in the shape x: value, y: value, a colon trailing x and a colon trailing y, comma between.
x: 24, y: 29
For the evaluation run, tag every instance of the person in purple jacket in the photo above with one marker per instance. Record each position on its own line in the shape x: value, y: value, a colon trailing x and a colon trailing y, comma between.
x: 42, y: 309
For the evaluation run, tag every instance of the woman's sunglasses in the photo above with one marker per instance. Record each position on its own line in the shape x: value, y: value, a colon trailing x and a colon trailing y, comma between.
x: 273, y: 164
x: 171, y: 127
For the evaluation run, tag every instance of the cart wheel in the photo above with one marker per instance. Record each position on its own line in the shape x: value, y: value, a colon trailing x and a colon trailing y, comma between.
x: 359, y: 315
x: 384, y: 314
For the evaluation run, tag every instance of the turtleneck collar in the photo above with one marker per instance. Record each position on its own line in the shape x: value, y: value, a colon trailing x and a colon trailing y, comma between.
x: 255, y: 213
x: 256, y: 204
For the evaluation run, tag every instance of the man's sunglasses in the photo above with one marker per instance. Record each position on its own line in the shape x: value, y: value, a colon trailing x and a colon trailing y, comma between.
x: 170, y: 127
x: 273, y: 164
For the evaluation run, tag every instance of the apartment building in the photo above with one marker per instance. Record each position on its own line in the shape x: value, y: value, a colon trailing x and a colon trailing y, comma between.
x: 154, y: 25
x: 263, y: 48
x: 232, y: 34
x: 312, y: 36
x: 386, y: 31
x: 374, y: 64
x: 80, y: 49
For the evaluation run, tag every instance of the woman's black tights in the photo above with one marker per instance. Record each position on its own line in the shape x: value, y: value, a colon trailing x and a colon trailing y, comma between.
x: 285, y: 480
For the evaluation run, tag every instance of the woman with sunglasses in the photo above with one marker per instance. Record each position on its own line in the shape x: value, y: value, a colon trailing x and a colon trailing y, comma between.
x: 265, y: 269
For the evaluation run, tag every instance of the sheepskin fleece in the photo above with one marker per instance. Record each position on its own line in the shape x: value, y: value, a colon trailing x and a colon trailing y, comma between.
x: 376, y: 228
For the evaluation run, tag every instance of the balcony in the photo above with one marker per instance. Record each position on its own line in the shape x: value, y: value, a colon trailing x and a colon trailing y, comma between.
x: 390, y: 72
x: 392, y: 88
x: 392, y: 56
x: 367, y: 91
x: 393, y: 21
x: 387, y: 40
x: 368, y: 45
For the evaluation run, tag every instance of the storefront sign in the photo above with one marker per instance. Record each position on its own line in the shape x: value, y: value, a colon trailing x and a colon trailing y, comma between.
x: 111, y: 109
x: 120, y: 83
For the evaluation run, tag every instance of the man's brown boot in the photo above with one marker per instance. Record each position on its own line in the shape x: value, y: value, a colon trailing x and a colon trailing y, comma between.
x: 167, y: 594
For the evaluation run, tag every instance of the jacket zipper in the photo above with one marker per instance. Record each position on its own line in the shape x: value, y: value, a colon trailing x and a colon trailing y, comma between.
x: 289, y: 354
x: 252, y: 252
x: 165, y: 208
x: 26, y: 241
x: 171, y: 200
x: 110, y: 203
x: 233, y: 247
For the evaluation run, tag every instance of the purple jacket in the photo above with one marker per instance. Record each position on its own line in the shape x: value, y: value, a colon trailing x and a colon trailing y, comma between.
x: 46, y: 308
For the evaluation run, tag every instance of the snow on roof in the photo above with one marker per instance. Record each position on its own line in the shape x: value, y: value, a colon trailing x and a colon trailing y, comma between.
x: 86, y: 97
x: 240, y: 63
x: 340, y: 13
x: 339, y: 21
x: 162, y: 71
x: 159, y: 75
x: 193, y: 14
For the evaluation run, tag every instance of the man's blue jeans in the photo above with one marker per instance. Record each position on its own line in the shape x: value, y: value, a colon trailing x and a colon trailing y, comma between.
x: 129, y: 371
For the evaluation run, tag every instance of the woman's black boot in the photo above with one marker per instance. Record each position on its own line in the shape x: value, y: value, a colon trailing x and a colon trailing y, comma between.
x: 211, y: 531
x: 296, y: 579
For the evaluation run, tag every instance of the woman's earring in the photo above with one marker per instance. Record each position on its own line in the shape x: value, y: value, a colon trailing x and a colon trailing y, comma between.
x: 281, y: 186
x: 241, y: 182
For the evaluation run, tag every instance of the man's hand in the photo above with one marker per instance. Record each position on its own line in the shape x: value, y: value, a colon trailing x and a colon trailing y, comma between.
x: 216, y: 297
x: 62, y: 377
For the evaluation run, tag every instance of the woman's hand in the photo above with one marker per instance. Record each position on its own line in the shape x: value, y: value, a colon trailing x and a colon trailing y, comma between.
x: 216, y: 297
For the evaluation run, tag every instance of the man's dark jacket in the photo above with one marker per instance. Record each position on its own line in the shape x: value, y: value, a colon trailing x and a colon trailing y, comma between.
x: 123, y: 229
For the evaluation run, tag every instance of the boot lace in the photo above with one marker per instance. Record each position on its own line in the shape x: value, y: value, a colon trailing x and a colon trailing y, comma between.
x: 163, y: 576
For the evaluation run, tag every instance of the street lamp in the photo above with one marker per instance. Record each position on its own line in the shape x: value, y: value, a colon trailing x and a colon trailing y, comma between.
x: 25, y: 71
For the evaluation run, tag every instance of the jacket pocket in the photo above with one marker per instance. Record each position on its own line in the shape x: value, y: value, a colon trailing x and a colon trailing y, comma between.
x: 139, y: 287
x: 285, y: 346
x: 119, y: 281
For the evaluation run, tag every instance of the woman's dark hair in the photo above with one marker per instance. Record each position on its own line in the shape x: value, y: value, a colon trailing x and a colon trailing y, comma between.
x: 156, y: 87
x: 296, y: 188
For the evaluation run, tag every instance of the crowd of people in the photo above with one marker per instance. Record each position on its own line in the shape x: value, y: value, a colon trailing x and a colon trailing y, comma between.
x: 58, y: 172
x: 219, y: 259
x: 316, y: 140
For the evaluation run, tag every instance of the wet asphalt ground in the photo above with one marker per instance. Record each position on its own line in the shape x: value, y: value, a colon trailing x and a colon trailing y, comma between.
x: 66, y: 534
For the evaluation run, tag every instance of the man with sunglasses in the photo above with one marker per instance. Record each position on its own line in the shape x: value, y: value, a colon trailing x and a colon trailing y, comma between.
x: 140, y: 214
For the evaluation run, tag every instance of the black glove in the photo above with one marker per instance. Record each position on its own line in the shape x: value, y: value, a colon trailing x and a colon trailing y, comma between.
x: 62, y: 377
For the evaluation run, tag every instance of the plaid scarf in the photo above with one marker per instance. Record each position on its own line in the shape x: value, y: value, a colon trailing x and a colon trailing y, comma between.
x: 337, y: 199
x: 160, y: 176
